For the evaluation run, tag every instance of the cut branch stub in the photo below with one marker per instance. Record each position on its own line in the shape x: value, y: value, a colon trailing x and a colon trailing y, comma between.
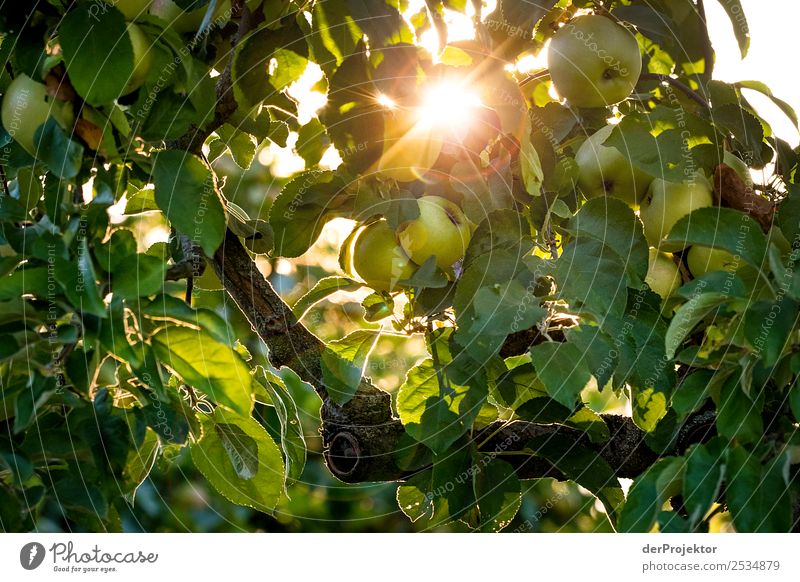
x: 731, y: 191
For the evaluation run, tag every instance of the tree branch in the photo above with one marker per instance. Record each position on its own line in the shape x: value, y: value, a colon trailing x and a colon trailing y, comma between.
x: 677, y: 84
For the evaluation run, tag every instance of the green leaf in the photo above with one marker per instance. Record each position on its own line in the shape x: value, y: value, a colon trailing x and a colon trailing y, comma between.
x: 688, y: 316
x: 762, y: 88
x: 343, y: 363
x: 242, y: 450
x: 496, y: 312
x: 592, y: 277
x: 531, y: 167
x: 768, y: 326
x: 739, y: 21
x: 758, y: 495
x: 561, y: 369
x: 739, y: 414
x: 143, y: 276
x: 597, y: 350
x: 436, y: 414
x: 325, y: 287
x: 166, y: 307
x: 97, y: 52
x: 252, y: 60
x: 24, y: 281
x: 497, y: 491
x: 301, y: 210
x: 381, y: 22
x: 659, y: 156
x: 293, y: 441
x: 502, y: 232
x: 649, y: 492
x: 583, y: 466
x: 141, y: 201
x: 205, y: 364
x: 62, y: 155
x: 312, y: 141
x: 334, y: 28
x: 353, y: 118
x: 378, y: 306
x: 788, y: 217
x: 747, y: 129
x: 79, y: 283
x: 413, y: 499
x: 702, y: 480
x: 240, y: 459
x: 185, y: 192
x: 613, y: 223
x: 692, y: 392
x: 240, y: 144
x: 428, y: 276
x: 140, y: 462
x: 720, y: 228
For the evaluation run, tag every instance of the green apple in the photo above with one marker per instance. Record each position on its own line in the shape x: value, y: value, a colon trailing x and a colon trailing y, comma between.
x: 667, y: 202
x: 702, y: 260
x: 131, y: 9
x: 188, y: 21
x: 663, y: 275
x: 410, y: 146
x: 26, y: 106
x: 142, y: 58
x: 604, y: 171
x: 441, y: 230
x: 593, y: 61
x: 378, y: 258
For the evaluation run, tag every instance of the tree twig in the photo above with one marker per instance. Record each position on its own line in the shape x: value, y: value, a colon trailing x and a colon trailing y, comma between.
x: 4, y: 180
x: 677, y: 84
x: 438, y: 23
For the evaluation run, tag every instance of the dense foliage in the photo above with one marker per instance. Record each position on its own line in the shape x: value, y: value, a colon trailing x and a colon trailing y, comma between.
x: 559, y: 238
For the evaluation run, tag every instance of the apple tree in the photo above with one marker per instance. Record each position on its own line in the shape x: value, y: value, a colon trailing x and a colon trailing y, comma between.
x: 588, y: 225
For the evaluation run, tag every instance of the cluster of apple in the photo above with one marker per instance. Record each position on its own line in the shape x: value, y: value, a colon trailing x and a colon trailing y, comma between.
x: 384, y: 257
x: 595, y: 62
x: 604, y: 171
x: 415, y: 142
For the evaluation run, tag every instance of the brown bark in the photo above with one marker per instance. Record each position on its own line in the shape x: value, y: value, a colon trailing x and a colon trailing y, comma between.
x: 731, y: 191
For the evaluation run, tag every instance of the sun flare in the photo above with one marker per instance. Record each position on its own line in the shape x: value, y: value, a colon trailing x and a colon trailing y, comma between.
x: 448, y: 104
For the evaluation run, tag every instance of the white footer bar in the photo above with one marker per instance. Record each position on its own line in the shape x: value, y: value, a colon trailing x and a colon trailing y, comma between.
x: 398, y: 557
